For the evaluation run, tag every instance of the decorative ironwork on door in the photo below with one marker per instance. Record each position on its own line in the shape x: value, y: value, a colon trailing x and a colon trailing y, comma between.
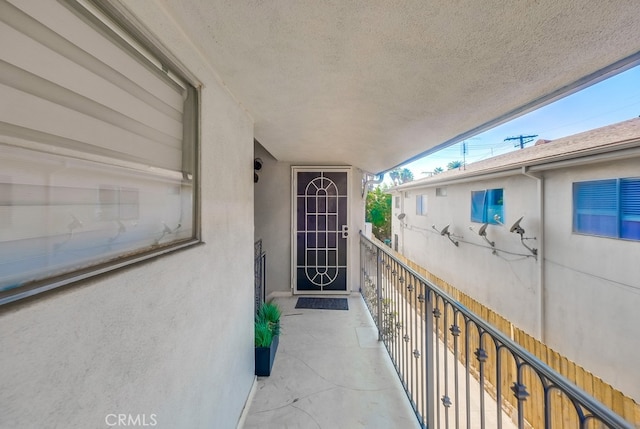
x: 321, y: 230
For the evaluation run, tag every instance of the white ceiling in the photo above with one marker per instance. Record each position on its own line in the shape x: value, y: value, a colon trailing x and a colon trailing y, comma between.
x: 373, y: 83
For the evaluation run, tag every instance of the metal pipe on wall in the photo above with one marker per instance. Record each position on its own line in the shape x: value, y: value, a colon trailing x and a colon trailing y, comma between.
x: 539, y: 178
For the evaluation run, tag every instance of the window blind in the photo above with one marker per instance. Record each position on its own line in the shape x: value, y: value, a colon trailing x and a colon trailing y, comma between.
x: 596, y: 207
x: 97, y: 143
x: 630, y: 208
x: 57, y: 69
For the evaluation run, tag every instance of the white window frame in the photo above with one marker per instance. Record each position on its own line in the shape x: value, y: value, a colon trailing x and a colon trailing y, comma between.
x: 421, y: 204
x: 114, y: 19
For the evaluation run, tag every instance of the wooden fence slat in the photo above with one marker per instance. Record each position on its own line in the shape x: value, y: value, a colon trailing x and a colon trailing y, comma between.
x: 603, y: 393
x: 579, y: 377
x: 636, y: 412
x: 573, y: 374
x: 556, y: 397
x: 628, y: 409
x: 588, y: 382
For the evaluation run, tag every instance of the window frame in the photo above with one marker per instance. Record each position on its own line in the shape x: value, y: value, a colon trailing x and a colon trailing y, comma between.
x: 140, y: 40
x: 421, y: 205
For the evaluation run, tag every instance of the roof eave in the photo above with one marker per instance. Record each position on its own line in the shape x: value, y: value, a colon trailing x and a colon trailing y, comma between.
x: 619, y: 150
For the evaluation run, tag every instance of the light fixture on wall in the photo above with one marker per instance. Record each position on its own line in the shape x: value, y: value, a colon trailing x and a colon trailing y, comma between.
x: 520, y: 230
x: 257, y: 165
x: 445, y: 232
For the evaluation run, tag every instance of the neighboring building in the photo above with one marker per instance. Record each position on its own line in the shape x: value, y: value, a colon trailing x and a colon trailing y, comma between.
x: 574, y: 281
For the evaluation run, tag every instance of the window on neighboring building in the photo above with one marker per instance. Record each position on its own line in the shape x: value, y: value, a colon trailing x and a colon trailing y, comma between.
x: 487, y: 206
x: 397, y: 202
x: 421, y: 205
x: 99, y: 151
x: 441, y: 192
x: 608, y: 208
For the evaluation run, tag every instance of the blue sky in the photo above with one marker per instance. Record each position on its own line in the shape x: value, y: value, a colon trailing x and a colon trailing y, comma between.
x: 613, y: 100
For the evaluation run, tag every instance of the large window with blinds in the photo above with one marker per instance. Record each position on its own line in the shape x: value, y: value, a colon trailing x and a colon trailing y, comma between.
x: 98, y: 139
x: 608, y: 208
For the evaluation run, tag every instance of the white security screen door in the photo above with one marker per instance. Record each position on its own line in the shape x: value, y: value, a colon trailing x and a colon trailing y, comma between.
x: 320, y: 225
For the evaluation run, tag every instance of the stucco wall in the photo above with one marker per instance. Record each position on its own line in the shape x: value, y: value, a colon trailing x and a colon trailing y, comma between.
x: 273, y: 221
x: 505, y: 282
x: 592, y: 284
x: 171, y: 337
x: 272, y: 216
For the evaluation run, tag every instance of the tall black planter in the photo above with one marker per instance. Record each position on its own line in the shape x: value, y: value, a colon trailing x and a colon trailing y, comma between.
x: 265, y: 357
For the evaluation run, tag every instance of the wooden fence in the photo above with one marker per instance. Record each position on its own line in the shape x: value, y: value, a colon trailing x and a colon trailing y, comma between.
x: 563, y: 411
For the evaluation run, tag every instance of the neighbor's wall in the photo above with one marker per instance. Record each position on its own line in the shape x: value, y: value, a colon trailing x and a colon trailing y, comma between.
x: 172, y: 336
x: 506, y: 282
x: 272, y: 217
x: 273, y: 221
x: 592, y: 284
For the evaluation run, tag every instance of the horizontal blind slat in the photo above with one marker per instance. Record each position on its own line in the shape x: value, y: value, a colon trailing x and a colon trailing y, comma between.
x: 128, y: 137
x: 65, y: 32
x: 597, y: 195
x: 630, y: 197
x: 30, y: 55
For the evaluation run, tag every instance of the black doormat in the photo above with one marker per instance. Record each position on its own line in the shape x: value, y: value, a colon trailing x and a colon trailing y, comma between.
x: 323, y: 303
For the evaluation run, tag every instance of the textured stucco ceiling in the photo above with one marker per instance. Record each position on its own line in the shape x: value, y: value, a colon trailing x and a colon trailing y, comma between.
x: 373, y: 83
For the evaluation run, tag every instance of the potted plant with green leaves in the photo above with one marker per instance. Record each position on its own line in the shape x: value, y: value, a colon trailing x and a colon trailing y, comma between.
x: 267, y: 334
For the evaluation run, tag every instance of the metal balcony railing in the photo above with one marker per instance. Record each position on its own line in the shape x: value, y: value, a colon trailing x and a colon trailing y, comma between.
x: 259, y: 274
x: 457, y: 369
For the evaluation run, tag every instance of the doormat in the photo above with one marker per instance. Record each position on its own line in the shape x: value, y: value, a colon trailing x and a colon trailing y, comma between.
x: 323, y: 303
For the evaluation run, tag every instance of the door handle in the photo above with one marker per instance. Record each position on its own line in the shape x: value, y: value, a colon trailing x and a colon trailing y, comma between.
x: 345, y: 231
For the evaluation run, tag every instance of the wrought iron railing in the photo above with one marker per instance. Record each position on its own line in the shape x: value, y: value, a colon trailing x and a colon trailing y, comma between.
x: 260, y: 274
x: 457, y: 369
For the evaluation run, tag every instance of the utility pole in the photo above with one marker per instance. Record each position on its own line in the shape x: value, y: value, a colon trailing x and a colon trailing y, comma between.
x: 464, y: 149
x: 464, y: 155
x: 523, y: 140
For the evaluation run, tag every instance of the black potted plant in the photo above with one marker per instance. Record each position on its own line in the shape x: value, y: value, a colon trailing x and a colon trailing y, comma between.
x: 267, y: 334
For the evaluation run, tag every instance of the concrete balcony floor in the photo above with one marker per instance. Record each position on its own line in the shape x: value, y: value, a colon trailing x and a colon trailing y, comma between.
x: 330, y: 372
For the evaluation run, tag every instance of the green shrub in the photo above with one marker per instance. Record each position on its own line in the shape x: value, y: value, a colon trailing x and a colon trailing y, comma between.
x: 270, y: 313
x: 263, y: 334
